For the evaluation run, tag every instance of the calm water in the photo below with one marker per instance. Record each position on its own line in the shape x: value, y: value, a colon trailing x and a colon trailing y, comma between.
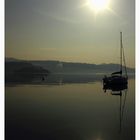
x: 74, y: 111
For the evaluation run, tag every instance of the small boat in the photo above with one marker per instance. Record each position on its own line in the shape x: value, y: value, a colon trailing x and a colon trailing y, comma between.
x: 117, y: 78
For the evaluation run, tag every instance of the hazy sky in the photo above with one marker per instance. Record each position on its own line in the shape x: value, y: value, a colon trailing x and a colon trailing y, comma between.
x: 66, y: 30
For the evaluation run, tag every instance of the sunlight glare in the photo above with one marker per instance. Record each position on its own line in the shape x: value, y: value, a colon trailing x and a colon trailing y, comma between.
x: 99, y: 5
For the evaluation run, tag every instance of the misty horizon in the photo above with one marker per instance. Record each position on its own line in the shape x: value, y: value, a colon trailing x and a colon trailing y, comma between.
x: 104, y: 63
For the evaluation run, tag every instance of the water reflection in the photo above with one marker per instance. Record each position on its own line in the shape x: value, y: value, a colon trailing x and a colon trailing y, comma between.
x: 56, y: 79
x: 121, y: 91
x: 69, y: 112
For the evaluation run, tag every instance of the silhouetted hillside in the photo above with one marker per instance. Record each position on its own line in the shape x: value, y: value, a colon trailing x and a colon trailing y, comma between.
x: 69, y: 67
x: 18, y: 71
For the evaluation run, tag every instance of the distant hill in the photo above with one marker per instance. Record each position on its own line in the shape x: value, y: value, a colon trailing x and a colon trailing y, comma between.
x: 23, y: 67
x: 69, y: 67
x: 22, y: 71
x: 9, y: 59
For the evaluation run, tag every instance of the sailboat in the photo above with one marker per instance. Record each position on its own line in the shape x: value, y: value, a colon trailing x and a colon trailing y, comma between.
x: 118, y: 78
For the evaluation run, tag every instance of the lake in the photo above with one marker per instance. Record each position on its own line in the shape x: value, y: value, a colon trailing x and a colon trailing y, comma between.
x: 69, y: 111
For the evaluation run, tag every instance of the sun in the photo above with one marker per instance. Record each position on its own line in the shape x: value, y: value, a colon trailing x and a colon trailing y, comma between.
x: 98, y: 5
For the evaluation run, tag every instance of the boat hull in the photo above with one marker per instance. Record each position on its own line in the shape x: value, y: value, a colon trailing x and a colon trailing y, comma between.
x: 115, y: 80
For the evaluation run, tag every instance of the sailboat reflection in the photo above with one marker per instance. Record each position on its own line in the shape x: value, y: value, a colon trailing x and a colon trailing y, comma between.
x: 121, y: 91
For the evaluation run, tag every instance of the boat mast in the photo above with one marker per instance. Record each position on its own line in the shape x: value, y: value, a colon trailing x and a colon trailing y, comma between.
x: 121, y: 53
x: 124, y: 64
x: 122, y: 56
